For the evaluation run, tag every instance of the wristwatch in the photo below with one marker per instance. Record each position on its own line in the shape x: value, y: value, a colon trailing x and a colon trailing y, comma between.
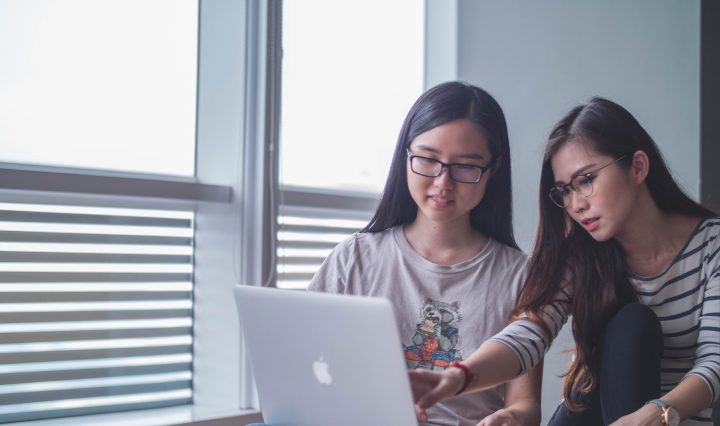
x: 669, y: 416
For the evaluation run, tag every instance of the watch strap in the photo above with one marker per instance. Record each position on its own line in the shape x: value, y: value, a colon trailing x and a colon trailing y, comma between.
x: 664, y: 407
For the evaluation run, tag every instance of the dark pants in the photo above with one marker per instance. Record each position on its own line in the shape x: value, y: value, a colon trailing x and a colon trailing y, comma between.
x: 629, y: 373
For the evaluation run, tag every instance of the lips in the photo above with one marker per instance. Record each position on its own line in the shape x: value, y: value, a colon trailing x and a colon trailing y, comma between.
x: 590, y: 224
x: 439, y: 201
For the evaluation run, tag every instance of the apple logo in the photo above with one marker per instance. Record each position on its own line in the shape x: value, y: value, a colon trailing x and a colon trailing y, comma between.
x: 322, y: 371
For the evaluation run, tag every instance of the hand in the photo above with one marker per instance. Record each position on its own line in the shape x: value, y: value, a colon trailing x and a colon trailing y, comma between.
x: 647, y: 415
x: 430, y: 387
x: 504, y: 417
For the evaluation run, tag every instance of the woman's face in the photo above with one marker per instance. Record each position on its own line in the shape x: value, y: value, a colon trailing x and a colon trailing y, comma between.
x: 442, y: 199
x: 613, y: 194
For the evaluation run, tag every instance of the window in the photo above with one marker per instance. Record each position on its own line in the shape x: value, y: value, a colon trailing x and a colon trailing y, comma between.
x: 350, y: 72
x: 106, y: 282
x: 209, y: 180
x: 80, y: 89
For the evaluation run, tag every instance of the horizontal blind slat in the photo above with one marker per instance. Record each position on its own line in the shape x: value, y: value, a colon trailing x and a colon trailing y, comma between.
x: 57, y: 277
x: 300, y: 260
x: 83, y: 248
x: 54, y: 237
x: 91, y: 296
x: 27, y: 358
x: 310, y: 225
x: 318, y: 245
x: 66, y: 326
x: 48, y: 257
x: 48, y: 217
x: 95, y: 306
x: 83, y: 345
x: 97, y: 315
x: 94, y: 382
x: 95, y: 309
x: 15, y: 412
x: 94, y: 287
x: 93, y: 392
x: 93, y: 334
x: 18, y: 366
x: 318, y: 229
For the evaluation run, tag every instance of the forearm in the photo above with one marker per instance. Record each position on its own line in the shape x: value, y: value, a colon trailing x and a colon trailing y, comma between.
x: 525, y: 412
x: 493, y: 363
x: 689, y: 397
x: 523, y: 397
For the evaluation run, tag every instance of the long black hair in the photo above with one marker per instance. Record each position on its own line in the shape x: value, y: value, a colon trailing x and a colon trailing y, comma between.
x: 565, y: 254
x: 439, y: 105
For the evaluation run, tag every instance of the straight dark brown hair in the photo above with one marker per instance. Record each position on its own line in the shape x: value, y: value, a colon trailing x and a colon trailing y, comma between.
x: 566, y: 258
x: 439, y: 105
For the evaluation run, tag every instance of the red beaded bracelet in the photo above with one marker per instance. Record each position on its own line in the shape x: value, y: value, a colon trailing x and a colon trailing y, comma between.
x: 469, y: 376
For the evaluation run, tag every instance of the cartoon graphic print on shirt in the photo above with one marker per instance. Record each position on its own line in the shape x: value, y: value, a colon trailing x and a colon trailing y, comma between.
x: 434, y: 343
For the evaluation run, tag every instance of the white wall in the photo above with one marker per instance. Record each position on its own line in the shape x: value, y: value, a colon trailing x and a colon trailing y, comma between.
x: 539, y: 59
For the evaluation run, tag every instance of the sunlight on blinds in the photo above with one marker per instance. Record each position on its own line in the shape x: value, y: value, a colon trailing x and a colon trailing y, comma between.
x: 95, y: 309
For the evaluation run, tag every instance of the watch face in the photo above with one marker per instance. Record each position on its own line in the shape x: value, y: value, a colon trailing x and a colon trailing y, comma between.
x: 672, y: 418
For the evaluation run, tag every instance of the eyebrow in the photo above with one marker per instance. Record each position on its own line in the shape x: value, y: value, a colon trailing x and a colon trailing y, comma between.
x: 470, y: 156
x: 581, y: 171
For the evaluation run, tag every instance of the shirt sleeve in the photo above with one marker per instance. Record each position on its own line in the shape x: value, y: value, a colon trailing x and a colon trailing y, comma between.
x: 332, y: 277
x: 707, y: 361
x: 528, y: 340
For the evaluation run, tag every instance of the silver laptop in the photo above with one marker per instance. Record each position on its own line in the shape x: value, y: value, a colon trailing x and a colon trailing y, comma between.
x: 322, y: 359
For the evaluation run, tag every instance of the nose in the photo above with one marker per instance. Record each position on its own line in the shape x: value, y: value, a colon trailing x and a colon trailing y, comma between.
x: 443, y: 180
x: 578, y: 202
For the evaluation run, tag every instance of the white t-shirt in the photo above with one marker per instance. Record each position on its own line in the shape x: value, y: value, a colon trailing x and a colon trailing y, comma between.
x: 443, y: 313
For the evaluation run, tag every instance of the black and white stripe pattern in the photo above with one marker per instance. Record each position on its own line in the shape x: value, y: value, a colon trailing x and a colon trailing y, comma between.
x: 686, y: 299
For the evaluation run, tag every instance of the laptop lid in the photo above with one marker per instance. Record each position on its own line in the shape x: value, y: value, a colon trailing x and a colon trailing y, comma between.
x: 324, y: 359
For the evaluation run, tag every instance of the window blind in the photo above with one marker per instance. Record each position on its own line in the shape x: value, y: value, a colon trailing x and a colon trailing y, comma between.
x: 95, y: 309
x: 310, y: 225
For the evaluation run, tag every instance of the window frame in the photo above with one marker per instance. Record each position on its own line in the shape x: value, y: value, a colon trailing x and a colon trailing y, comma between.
x: 234, y: 193
x: 312, y: 202
x: 226, y: 194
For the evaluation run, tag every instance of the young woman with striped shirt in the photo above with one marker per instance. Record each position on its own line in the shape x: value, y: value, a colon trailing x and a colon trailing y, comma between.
x: 634, y: 261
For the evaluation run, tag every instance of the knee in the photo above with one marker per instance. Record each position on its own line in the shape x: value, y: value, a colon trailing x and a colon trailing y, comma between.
x: 635, y: 322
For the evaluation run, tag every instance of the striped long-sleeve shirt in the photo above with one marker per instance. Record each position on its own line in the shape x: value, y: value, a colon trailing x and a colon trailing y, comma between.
x: 686, y: 299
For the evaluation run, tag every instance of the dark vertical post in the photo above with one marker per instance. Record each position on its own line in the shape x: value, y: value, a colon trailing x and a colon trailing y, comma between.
x: 710, y: 104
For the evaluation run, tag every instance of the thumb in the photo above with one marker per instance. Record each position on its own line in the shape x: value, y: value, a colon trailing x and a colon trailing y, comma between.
x: 443, y: 390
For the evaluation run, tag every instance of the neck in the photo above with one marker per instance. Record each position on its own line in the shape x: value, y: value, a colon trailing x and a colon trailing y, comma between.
x: 444, y: 243
x: 651, y: 238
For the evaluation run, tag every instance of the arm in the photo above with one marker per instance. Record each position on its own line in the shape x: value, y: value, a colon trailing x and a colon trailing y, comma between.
x: 508, y: 354
x: 497, y: 361
x: 689, y: 397
x: 522, y: 401
x: 701, y: 385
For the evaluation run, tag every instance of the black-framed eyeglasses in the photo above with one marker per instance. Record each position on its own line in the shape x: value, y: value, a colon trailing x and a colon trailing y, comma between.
x: 580, y: 184
x: 430, y: 167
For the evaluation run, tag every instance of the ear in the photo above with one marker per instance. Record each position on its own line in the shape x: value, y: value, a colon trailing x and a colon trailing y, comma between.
x: 640, y: 167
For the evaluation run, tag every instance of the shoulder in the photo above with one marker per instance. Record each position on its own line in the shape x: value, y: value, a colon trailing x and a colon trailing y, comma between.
x: 366, y: 243
x: 706, y: 238
x: 508, y: 264
x: 509, y: 257
x: 374, y: 239
x: 708, y: 226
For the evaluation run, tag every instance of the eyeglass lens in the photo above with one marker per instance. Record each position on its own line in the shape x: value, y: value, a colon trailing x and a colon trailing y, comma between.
x: 581, y: 185
x: 433, y: 168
